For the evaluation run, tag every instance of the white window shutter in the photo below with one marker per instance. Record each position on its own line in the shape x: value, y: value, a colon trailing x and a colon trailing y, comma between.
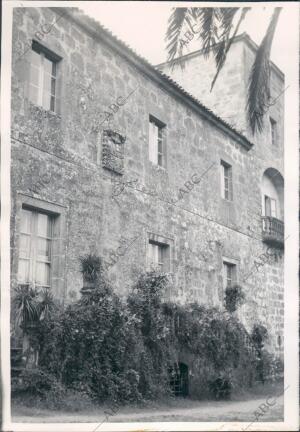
x: 230, y: 189
x: 267, y: 206
x: 222, y: 171
x: 273, y: 208
x: 153, y: 138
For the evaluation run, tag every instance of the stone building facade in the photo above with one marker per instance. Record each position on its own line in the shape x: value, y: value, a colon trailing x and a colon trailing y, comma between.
x: 111, y: 156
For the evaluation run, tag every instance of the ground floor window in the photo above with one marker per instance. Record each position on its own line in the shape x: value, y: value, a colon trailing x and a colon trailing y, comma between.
x: 158, y: 256
x: 229, y: 274
x: 35, y: 248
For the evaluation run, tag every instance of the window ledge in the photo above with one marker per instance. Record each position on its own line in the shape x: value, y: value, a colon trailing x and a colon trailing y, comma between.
x: 226, y: 200
x: 158, y: 167
x: 45, y: 112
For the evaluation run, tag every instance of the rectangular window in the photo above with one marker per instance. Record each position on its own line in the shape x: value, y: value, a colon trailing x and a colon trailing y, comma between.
x: 158, y: 256
x: 273, y: 124
x: 270, y: 207
x: 226, y: 181
x: 43, y: 78
x: 229, y: 274
x: 156, y: 141
x: 36, y: 236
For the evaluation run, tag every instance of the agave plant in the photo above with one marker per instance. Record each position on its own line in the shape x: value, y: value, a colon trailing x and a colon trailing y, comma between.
x: 46, y: 305
x: 218, y: 27
x: 90, y: 267
x: 25, y: 303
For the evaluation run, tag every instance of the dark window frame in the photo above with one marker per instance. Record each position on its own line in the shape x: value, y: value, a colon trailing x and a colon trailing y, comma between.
x: 161, y: 141
x: 227, y: 183
x: 274, y: 131
x: 47, y: 54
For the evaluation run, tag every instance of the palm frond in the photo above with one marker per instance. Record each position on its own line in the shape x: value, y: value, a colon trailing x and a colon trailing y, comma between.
x: 174, y: 34
x: 209, y: 22
x: 226, y: 21
x: 259, y: 80
x: 227, y: 16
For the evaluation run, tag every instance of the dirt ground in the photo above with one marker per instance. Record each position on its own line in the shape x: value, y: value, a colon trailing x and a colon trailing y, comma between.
x: 197, y: 411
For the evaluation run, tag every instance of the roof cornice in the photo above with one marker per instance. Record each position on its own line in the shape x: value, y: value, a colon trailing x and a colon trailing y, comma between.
x: 98, y: 31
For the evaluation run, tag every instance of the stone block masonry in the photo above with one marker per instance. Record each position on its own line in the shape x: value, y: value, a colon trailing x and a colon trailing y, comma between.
x: 66, y: 167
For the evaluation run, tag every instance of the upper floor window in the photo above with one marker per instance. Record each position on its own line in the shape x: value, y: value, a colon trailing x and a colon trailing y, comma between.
x: 159, y: 256
x: 229, y: 274
x: 36, y: 236
x: 270, y: 206
x: 43, y: 78
x: 272, y: 194
x: 226, y: 181
x: 156, y: 142
x: 273, y: 125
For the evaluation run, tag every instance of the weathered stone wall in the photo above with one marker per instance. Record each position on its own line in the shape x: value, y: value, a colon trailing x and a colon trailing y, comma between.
x: 225, y: 100
x: 58, y: 159
x: 228, y: 98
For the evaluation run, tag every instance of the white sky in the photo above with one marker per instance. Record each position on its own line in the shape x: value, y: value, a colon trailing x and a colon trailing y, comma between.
x: 142, y: 25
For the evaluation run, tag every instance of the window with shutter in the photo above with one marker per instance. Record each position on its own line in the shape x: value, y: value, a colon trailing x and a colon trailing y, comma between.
x: 270, y: 207
x: 156, y: 142
x: 43, y: 78
x: 226, y: 181
x: 229, y: 274
x: 158, y: 256
x: 35, y: 248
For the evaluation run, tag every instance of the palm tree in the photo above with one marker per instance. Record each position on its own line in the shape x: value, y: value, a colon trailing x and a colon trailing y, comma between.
x: 217, y: 29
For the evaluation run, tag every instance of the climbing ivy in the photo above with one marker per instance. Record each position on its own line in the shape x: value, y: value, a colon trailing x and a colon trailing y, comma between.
x: 118, y: 351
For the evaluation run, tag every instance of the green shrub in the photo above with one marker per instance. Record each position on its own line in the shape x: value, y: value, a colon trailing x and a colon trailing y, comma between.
x: 271, y: 368
x: 156, y: 353
x: 38, y: 385
x: 100, y: 349
x: 221, y: 387
x: 234, y: 297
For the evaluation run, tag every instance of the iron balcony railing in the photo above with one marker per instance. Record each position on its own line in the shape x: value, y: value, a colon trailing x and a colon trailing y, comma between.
x: 273, y: 231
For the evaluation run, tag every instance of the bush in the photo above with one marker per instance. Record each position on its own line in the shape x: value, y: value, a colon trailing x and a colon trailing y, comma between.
x: 259, y: 335
x: 100, y: 349
x: 270, y: 367
x: 156, y: 353
x: 221, y: 388
x: 38, y: 385
x: 92, y: 346
x: 234, y: 297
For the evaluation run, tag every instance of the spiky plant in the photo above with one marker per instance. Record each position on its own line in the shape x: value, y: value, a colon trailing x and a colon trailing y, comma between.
x: 218, y: 27
x: 90, y: 267
x: 46, y: 304
x: 25, y: 304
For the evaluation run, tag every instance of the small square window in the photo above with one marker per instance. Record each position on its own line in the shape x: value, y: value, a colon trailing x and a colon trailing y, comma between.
x: 43, y: 77
x: 158, y: 256
x: 156, y: 142
x: 226, y: 181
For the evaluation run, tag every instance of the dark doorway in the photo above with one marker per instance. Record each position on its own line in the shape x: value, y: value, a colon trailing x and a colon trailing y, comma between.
x: 180, y: 379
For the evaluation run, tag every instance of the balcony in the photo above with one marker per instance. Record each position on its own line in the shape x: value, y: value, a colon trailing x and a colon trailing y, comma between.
x: 273, y: 231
